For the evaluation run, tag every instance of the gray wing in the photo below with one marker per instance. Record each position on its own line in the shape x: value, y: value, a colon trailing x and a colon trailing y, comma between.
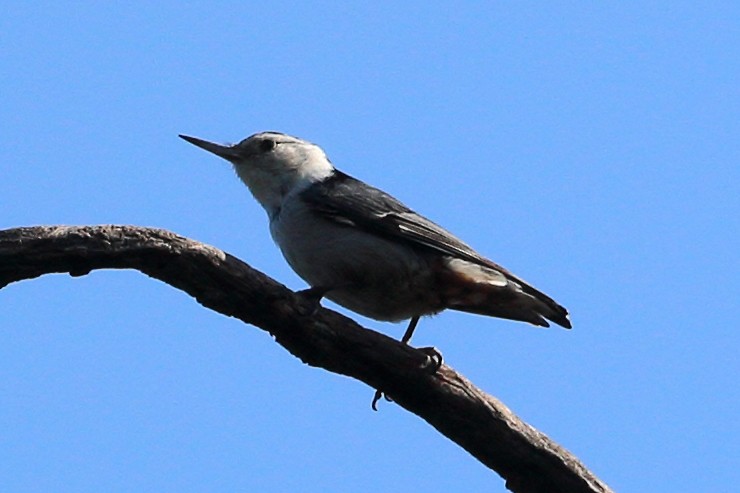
x: 350, y: 201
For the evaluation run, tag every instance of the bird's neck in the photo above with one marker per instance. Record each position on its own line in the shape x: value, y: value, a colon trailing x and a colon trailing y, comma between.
x: 271, y: 191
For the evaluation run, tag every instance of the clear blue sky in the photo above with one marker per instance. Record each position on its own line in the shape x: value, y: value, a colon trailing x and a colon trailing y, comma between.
x: 593, y: 148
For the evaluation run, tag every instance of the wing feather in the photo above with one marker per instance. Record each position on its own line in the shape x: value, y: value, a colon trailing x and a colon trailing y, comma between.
x: 345, y: 199
x: 351, y: 202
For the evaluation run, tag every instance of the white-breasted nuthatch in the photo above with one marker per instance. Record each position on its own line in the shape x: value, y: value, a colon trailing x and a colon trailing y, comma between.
x: 365, y: 250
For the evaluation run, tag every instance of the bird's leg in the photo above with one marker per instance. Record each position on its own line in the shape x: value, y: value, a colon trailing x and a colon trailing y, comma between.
x: 313, y: 295
x: 314, y: 292
x: 434, y: 356
x: 431, y: 352
x: 410, y: 330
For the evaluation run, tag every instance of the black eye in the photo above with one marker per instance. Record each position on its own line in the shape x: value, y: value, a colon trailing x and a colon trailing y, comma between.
x: 267, y: 145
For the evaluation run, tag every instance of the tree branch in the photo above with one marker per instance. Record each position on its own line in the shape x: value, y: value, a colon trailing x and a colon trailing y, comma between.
x: 528, y: 460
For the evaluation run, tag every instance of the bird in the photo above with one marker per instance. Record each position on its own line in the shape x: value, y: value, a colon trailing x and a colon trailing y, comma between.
x: 364, y: 249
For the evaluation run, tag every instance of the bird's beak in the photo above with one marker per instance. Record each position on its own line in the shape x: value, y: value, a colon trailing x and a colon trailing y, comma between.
x: 227, y: 152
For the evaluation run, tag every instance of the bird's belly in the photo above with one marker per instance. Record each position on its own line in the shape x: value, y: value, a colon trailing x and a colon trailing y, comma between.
x: 365, y: 273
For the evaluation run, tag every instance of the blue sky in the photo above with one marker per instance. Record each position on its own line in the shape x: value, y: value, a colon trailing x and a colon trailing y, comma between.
x: 592, y: 148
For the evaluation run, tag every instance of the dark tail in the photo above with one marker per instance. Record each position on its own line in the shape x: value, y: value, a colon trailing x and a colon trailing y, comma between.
x: 516, y: 300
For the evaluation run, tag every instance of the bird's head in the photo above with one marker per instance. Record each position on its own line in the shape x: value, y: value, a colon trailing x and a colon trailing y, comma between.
x: 273, y: 165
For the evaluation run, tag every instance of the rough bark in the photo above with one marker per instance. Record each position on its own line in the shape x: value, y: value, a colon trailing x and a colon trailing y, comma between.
x: 528, y: 460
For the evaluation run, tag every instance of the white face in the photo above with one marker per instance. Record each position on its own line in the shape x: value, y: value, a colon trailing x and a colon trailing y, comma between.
x: 274, y: 165
x: 278, y: 153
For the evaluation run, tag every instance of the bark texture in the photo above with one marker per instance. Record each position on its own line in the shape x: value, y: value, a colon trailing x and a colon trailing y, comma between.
x: 528, y: 460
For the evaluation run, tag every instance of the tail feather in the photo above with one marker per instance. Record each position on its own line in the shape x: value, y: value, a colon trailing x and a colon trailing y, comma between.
x: 495, y: 293
x: 546, y: 306
x: 517, y: 305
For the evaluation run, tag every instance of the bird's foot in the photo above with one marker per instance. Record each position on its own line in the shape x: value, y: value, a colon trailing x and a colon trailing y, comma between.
x: 376, y: 398
x: 432, y: 365
x: 313, y: 297
x: 434, y: 359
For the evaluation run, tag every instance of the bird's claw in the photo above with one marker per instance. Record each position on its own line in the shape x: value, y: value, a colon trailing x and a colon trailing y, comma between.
x: 434, y: 359
x: 377, y: 397
x: 432, y: 364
